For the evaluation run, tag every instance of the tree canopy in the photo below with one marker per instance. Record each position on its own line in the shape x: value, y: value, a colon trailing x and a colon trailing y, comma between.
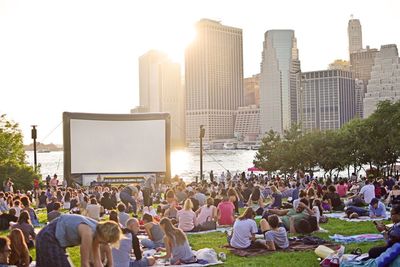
x: 374, y: 141
x: 12, y: 156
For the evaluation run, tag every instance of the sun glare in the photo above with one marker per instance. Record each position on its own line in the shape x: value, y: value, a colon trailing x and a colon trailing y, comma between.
x: 175, y: 47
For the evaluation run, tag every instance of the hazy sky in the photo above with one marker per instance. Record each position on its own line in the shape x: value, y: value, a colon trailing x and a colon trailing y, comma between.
x: 82, y: 56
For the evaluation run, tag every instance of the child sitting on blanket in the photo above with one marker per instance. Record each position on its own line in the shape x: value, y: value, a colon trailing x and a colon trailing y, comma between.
x: 177, y: 246
x: 274, y: 234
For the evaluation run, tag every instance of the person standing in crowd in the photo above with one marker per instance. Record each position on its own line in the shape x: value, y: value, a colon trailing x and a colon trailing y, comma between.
x: 148, y: 189
x: 211, y: 176
x: 128, y: 196
x: 54, y: 182
x: 70, y: 230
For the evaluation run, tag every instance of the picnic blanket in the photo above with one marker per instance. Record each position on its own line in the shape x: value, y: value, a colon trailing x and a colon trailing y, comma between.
x: 294, y: 245
x: 160, y: 263
x: 356, y: 238
x: 342, y: 216
x: 219, y: 229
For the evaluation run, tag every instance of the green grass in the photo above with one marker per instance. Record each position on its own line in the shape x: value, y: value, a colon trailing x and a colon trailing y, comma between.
x: 281, y: 259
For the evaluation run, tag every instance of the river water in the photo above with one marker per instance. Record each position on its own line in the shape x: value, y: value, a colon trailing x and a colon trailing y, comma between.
x: 184, y: 163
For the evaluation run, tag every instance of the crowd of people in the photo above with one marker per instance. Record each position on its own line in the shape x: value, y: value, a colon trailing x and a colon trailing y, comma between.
x: 159, y: 216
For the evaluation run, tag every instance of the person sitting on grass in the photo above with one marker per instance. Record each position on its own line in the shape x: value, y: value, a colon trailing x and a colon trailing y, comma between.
x: 70, y: 230
x: 121, y: 255
x: 19, y: 250
x: 225, y: 211
x: 207, y: 212
x: 5, y: 251
x: 276, y: 198
x: 154, y: 231
x: 388, y: 232
x: 6, y: 218
x: 177, y: 246
x: 333, y: 199
x: 244, y: 231
x: 55, y: 212
x: 123, y: 217
x: 26, y: 227
x: 186, y: 217
x: 275, y: 235
x: 256, y: 201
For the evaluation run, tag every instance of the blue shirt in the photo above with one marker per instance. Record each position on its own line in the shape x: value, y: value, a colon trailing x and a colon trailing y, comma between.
x: 379, y: 211
x: 67, y: 229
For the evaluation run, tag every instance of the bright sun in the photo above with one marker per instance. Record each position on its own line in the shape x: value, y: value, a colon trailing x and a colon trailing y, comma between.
x: 177, y: 42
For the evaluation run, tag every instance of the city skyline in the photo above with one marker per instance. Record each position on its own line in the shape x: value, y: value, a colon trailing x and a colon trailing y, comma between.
x: 82, y: 56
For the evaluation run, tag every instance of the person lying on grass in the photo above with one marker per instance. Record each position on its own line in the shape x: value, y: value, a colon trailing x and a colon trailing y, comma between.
x: 299, y: 217
x: 376, y: 210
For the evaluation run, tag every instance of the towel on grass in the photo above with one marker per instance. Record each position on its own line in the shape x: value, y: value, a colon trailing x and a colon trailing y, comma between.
x: 295, y: 245
x: 342, y: 216
x: 356, y: 238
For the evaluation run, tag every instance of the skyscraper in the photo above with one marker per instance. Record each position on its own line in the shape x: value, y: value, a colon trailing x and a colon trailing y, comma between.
x: 160, y: 90
x: 252, y: 90
x: 361, y: 63
x: 385, y: 79
x: 355, y: 35
x: 279, y: 81
x: 213, y: 80
x: 328, y: 99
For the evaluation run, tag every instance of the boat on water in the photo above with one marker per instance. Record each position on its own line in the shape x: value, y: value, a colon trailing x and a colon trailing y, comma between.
x: 229, y: 146
x: 43, y: 151
x: 195, y: 146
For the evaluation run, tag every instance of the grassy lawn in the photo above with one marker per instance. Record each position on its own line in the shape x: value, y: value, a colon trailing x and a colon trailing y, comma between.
x: 217, y: 240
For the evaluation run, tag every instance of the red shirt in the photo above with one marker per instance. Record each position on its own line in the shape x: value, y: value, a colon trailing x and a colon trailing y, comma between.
x: 226, y: 209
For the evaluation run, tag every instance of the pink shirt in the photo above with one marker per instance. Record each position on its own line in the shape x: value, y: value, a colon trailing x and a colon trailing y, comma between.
x: 186, y: 219
x: 205, y: 213
x: 341, y: 190
x: 226, y: 209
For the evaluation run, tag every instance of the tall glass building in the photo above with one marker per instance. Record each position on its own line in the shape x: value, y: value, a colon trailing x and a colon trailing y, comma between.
x: 279, y: 81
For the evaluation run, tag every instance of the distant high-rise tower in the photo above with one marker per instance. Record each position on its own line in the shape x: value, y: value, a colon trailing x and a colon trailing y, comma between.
x: 213, y: 80
x: 252, y: 90
x: 279, y: 82
x: 355, y: 35
x: 361, y: 63
x: 160, y: 90
x: 385, y: 79
x: 328, y: 99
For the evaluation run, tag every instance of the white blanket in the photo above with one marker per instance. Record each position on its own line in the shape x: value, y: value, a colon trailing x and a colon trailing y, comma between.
x: 342, y: 216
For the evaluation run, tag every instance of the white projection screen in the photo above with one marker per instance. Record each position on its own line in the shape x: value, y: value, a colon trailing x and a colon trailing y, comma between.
x: 116, y: 143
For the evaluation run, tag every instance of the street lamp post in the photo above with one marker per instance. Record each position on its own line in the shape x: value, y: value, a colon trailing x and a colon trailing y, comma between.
x: 34, y: 136
x: 202, y: 134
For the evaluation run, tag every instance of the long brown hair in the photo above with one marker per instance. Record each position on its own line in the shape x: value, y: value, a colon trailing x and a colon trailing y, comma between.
x: 19, y: 250
x: 24, y: 217
x: 176, y: 235
x: 247, y: 214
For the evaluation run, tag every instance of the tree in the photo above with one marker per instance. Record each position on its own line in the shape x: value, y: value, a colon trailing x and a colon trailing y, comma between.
x: 12, y: 156
x: 264, y: 158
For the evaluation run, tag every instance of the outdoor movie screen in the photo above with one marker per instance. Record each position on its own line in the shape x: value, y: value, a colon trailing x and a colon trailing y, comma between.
x: 109, y: 143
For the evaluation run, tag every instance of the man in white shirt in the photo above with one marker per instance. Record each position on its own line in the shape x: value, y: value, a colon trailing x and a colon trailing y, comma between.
x: 368, y: 192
